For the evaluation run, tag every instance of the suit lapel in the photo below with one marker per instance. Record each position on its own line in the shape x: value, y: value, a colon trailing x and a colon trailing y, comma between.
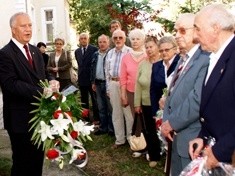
x: 173, y: 65
x: 186, y: 69
x: 24, y: 60
x: 216, y: 74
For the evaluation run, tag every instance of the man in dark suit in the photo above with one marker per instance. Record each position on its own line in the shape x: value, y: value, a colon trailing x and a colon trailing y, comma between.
x: 217, y: 112
x: 83, y: 56
x: 181, y: 110
x: 21, y: 69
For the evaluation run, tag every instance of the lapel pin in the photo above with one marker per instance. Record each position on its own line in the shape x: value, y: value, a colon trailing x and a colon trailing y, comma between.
x: 221, y: 71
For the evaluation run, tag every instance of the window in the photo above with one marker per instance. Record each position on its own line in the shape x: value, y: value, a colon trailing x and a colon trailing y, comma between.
x: 48, y: 24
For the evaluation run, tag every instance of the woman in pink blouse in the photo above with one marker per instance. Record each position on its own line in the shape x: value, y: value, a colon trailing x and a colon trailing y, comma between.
x: 129, y: 67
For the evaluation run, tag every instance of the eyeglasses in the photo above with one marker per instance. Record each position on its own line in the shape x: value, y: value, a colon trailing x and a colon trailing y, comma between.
x: 182, y: 30
x: 120, y: 38
x: 166, y: 50
x: 58, y: 43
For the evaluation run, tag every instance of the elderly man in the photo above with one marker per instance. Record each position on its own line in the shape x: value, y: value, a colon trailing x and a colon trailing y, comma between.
x: 21, y: 69
x: 114, y: 25
x: 99, y: 86
x: 121, y: 116
x: 181, y: 111
x: 83, y: 56
x: 217, y: 112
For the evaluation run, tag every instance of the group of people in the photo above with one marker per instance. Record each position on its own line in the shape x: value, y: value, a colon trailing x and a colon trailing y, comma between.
x: 195, y: 66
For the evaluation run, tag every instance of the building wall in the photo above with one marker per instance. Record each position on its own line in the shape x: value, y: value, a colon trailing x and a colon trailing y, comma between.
x: 35, y: 9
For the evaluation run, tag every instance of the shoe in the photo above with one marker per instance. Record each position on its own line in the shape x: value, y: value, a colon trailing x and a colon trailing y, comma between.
x: 115, y: 146
x: 136, y: 154
x: 99, y: 132
x: 152, y: 163
x: 111, y: 133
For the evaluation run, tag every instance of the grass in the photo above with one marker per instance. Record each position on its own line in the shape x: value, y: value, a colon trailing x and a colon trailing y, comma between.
x: 5, y: 165
x: 105, y: 161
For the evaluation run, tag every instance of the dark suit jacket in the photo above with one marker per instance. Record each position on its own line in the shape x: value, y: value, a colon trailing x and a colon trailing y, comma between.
x: 217, y: 109
x: 158, y: 82
x: 84, y: 65
x: 19, y: 84
x: 64, y: 65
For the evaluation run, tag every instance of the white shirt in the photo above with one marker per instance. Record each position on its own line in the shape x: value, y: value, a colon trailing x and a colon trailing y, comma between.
x: 214, y: 57
x: 190, y: 54
x: 110, y: 63
x: 168, y: 78
x: 21, y: 47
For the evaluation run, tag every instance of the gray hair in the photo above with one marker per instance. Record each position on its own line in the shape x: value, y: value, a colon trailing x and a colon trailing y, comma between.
x: 218, y: 14
x: 186, y: 18
x: 84, y: 34
x: 167, y: 39
x: 103, y: 35
x: 13, y: 17
x: 121, y: 31
x: 137, y: 33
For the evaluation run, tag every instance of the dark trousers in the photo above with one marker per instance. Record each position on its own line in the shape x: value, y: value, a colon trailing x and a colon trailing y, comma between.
x: 152, y: 140
x: 105, y: 113
x: 85, y: 91
x: 27, y: 158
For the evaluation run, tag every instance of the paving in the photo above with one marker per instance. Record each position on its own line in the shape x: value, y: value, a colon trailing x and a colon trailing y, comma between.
x: 50, y: 170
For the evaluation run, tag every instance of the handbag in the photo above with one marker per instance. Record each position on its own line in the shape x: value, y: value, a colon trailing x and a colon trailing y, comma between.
x: 137, y: 140
x: 73, y: 71
x: 73, y: 75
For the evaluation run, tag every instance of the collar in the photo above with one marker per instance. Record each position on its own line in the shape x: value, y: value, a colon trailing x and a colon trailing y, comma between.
x: 222, y: 48
x: 20, y: 45
x: 193, y: 50
x: 170, y: 61
x: 124, y: 49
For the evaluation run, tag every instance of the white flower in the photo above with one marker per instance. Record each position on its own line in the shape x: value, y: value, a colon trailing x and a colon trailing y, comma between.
x: 60, y: 124
x: 45, y: 131
x: 75, y: 154
x: 63, y: 99
x: 83, y: 128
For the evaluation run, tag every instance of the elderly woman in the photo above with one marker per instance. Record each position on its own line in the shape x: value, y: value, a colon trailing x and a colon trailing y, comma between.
x: 162, y: 71
x: 142, y: 99
x: 129, y: 67
x: 59, y: 64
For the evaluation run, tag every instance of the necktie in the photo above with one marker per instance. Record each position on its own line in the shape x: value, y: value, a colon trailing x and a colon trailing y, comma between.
x: 178, y: 72
x: 84, y: 51
x: 28, y: 55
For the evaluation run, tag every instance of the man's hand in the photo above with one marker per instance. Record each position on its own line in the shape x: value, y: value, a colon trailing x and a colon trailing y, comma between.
x: 195, y: 147
x: 166, y: 130
x: 211, y: 161
x: 93, y: 87
x: 54, y: 85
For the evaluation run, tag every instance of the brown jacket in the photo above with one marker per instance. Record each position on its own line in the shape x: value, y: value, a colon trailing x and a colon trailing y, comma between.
x: 64, y: 65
